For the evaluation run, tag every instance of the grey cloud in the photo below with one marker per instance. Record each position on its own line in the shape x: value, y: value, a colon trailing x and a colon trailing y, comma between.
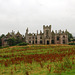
x: 20, y: 14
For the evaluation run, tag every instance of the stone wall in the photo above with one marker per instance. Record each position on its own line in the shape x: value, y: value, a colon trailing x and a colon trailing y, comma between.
x: 47, y: 37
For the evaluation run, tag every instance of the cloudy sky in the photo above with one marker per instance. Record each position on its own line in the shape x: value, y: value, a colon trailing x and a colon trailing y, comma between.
x: 20, y: 14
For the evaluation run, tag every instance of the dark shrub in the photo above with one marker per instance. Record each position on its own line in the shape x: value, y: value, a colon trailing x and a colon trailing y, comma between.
x: 22, y: 44
x: 71, y: 43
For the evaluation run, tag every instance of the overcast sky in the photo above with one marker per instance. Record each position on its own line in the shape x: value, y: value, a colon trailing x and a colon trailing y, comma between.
x: 20, y: 14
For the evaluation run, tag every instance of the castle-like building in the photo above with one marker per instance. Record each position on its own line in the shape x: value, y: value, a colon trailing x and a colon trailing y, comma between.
x: 47, y: 37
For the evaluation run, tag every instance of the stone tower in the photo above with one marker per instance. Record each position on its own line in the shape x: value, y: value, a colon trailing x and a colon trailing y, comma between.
x: 47, y: 34
x: 26, y: 34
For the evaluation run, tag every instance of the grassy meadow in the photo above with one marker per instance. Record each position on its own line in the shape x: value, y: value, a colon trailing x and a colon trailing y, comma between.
x: 38, y: 60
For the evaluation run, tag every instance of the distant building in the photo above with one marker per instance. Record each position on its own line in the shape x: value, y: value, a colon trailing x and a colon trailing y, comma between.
x: 47, y: 37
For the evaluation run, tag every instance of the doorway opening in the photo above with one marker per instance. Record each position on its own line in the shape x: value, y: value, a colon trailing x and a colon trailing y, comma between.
x: 47, y: 42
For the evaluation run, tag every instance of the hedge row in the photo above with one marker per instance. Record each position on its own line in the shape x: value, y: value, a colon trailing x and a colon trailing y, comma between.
x: 22, y: 44
x: 71, y: 43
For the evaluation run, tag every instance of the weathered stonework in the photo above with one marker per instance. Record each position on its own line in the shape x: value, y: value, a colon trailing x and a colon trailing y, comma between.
x: 47, y: 37
x: 10, y: 35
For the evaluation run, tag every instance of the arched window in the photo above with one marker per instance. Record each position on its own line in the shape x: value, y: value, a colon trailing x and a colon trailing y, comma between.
x: 36, y: 41
x: 58, y: 38
x: 33, y: 42
x: 35, y: 37
x: 63, y: 41
x: 52, y: 42
x: 40, y: 42
x: 63, y: 36
x: 40, y: 37
x: 47, y: 42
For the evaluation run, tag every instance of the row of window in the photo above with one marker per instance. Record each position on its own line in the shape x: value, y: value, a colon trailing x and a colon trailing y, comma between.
x: 47, y: 42
x: 34, y: 37
x: 58, y: 38
x: 35, y: 42
x: 41, y: 37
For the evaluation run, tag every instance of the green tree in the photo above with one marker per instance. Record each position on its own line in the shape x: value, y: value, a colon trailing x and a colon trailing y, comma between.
x: 0, y: 42
x: 18, y: 40
x: 73, y: 40
x: 2, y: 36
x: 11, y: 41
x: 70, y: 36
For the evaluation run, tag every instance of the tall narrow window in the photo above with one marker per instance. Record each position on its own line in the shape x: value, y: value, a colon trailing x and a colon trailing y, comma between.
x: 63, y: 41
x: 36, y: 37
x: 63, y: 36
x: 47, y: 31
x: 36, y: 41
x: 40, y: 37
x: 47, y: 42
x: 40, y: 42
x: 58, y: 38
x: 33, y: 42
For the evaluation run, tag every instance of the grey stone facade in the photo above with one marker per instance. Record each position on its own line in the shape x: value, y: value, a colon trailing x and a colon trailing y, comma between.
x: 47, y: 37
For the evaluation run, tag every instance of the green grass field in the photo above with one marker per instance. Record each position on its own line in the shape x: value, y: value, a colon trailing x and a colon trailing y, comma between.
x: 38, y: 60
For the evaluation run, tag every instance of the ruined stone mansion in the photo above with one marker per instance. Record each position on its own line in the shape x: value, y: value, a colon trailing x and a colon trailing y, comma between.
x: 48, y: 36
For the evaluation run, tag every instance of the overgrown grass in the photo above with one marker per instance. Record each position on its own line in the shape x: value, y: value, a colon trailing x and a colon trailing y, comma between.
x: 38, y: 60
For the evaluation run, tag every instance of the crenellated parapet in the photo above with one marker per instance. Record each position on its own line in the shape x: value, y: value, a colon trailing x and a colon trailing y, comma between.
x: 46, y: 26
x: 61, y: 32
